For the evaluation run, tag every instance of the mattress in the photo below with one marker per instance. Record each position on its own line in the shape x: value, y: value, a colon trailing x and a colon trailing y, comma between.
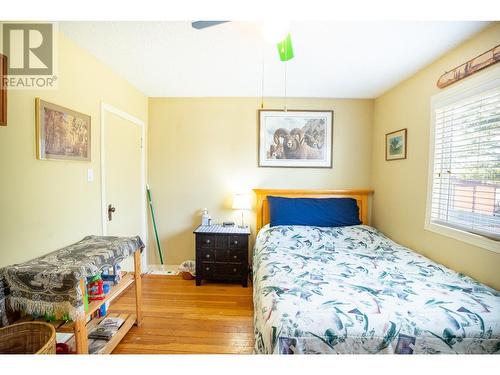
x: 353, y: 290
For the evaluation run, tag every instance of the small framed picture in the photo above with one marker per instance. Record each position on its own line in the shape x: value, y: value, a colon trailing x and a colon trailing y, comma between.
x: 61, y: 133
x: 395, y: 145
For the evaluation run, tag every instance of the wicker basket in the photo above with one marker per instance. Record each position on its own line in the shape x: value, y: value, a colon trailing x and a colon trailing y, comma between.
x: 28, y: 338
x: 186, y: 275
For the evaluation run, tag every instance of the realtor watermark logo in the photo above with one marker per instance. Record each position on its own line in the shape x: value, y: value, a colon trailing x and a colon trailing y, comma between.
x: 31, y: 55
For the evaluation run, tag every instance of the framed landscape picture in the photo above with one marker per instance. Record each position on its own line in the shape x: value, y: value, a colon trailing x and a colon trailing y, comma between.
x: 295, y: 138
x: 61, y: 133
x: 395, y: 145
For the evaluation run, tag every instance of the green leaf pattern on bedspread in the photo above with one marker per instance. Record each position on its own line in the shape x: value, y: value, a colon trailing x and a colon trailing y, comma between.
x: 353, y: 290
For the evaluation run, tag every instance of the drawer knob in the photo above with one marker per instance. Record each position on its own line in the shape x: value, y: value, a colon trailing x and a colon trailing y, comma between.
x: 207, y: 242
x: 208, y: 256
x: 235, y: 256
x: 235, y: 269
x: 235, y: 242
x: 207, y: 268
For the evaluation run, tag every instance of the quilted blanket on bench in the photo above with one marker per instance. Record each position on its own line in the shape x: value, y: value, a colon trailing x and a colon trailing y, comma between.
x: 50, y: 284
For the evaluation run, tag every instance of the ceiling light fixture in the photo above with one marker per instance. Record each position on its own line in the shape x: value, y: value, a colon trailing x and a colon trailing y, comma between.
x: 275, y: 31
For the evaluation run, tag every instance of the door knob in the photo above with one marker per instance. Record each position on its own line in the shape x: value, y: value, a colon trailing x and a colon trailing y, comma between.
x: 111, y: 209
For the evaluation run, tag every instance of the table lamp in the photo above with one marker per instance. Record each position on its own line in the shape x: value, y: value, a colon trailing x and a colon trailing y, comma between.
x: 241, y: 202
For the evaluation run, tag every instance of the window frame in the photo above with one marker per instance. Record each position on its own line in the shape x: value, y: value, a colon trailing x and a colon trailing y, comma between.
x: 475, y: 85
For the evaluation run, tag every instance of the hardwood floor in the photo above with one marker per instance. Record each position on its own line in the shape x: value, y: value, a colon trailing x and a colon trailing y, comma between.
x: 180, y: 317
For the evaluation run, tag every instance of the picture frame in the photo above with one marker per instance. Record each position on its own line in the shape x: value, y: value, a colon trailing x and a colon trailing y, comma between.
x: 3, y: 90
x: 61, y: 133
x: 396, y: 144
x: 295, y: 138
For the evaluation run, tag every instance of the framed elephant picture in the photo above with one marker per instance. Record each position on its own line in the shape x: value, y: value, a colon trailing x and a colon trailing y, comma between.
x: 61, y: 133
x: 295, y: 138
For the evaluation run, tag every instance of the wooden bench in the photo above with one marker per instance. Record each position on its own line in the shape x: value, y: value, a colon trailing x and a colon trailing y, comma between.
x: 82, y: 326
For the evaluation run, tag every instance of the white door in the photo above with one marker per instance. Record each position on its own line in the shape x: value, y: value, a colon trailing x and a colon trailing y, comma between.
x: 123, y: 178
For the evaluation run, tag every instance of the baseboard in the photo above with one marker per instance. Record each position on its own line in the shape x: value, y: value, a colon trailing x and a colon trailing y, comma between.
x: 163, y: 269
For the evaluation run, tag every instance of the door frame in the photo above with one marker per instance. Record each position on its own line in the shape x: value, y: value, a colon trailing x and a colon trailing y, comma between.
x: 105, y: 107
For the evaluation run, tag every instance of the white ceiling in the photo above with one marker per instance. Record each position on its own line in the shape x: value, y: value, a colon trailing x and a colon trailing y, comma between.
x: 332, y: 59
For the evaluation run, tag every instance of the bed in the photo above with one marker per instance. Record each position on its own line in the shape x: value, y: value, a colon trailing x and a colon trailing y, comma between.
x: 353, y: 290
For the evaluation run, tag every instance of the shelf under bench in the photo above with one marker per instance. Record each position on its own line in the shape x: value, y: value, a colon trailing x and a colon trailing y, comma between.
x: 129, y: 321
x: 68, y: 327
x: 114, y: 291
x: 80, y: 327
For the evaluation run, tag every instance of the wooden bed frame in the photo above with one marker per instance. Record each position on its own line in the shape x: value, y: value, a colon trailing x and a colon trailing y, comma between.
x: 262, y: 207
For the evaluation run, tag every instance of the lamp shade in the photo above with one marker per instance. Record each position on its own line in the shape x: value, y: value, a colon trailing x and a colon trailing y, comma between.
x: 241, y: 202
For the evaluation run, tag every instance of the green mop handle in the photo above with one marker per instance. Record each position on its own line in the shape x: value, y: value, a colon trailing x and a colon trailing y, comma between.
x: 154, y: 224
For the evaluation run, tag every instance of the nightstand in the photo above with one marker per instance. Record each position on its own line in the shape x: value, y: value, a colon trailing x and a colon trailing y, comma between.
x: 222, y: 253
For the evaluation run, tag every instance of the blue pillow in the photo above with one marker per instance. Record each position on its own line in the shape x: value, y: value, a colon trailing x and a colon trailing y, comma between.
x: 318, y: 212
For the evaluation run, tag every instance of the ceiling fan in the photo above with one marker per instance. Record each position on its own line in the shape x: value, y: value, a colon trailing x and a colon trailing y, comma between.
x: 204, y: 24
x: 285, y: 48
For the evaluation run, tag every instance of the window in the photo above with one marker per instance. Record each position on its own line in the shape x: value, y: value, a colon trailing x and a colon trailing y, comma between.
x: 464, y: 195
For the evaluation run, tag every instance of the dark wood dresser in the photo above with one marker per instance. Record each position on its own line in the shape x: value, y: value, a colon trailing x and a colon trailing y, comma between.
x: 222, y: 253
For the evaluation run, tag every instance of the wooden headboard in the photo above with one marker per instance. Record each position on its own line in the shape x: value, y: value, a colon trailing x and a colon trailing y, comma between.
x: 262, y: 207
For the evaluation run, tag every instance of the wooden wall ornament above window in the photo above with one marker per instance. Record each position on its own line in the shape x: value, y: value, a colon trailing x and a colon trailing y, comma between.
x: 470, y: 67
x: 3, y: 90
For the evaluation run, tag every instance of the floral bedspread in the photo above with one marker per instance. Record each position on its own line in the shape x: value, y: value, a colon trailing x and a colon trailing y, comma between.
x: 353, y: 290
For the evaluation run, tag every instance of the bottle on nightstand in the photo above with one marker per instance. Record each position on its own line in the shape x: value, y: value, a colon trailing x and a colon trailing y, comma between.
x: 205, y: 217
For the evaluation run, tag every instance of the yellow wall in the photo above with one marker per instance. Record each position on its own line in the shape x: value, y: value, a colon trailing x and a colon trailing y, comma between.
x: 45, y: 205
x: 401, y: 186
x: 203, y: 149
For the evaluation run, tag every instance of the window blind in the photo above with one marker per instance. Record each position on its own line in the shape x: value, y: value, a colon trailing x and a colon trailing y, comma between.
x: 466, y: 165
